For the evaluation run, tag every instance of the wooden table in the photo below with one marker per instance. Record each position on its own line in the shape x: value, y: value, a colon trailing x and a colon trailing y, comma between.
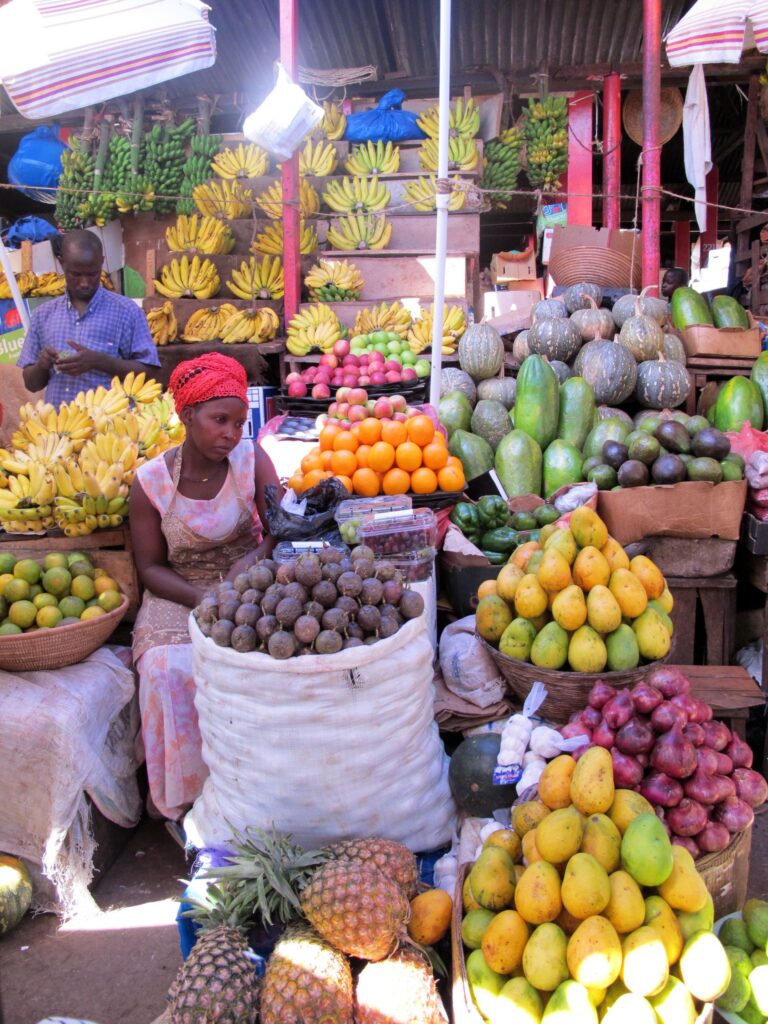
x: 728, y: 689
x: 703, y: 369
x: 717, y: 597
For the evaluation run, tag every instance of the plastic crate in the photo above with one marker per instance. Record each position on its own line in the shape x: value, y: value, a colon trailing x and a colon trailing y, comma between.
x: 356, y: 509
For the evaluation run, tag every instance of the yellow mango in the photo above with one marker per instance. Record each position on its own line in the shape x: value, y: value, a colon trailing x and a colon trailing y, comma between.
x: 592, y: 789
x: 519, y: 1002
x: 520, y: 556
x: 684, y: 889
x: 649, y: 575
x: 492, y: 878
x: 627, y: 804
x: 430, y: 916
x: 526, y: 816
x: 546, y: 532
x: 504, y: 941
x: 554, y: 572
x: 555, y: 782
x: 473, y: 926
x: 653, y: 638
x: 492, y: 617
x: 507, y: 582
x: 562, y: 540
x: 530, y: 597
x: 659, y: 915
x: 625, y: 908
x: 603, y: 612
x: 593, y: 954
x: 615, y: 554
x: 585, y: 890
x: 529, y: 849
x: 602, y: 840
x: 590, y: 569
x: 550, y: 648
x: 645, y: 967
x: 517, y: 639
x: 629, y: 592
x: 544, y: 958
x: 484, y: 983
x: 508, y: 840
x: 587, y: 651
x: 666, y: 600
x: 558, y: 836
x: 486, y: 589
x: 569, y: 609
x: 630, y: 1009
x: 537, y: 896
x: 468, y: 900
x: 588, y: 528
x: 706, y: 970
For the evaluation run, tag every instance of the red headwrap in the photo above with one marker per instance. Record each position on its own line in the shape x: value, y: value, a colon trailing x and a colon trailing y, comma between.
x: 210, y: 376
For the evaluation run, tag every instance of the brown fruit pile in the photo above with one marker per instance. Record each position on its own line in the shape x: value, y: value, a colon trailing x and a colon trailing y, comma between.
x: 314, y: 604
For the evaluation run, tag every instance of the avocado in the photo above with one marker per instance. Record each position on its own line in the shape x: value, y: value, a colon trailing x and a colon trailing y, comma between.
x: 645, y: 449
x: 731, y: 470
x: 686, y: 457
x: 712, y: 443
x: 614, y: 453
x: 696, y: 424
x: 523, y: 521
x: 633, y: 473
x: 678, y: 416
x: 651, y: 424
x: 705, y: 468
x: 633, y: 436
x: 673, y: 436
x: 738, y: 459
x: 545, y: 514
x: 604, y: 476
x: 668, y: 469
x: 590, y: 463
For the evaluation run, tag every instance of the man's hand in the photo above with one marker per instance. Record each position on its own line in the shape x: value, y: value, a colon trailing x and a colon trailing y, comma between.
x: 83, y: 361
x: 48, y: 358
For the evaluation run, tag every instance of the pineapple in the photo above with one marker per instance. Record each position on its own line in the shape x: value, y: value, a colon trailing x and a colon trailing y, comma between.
x: 307, y: 980
x: 392, y: 859
x: 400, y: 990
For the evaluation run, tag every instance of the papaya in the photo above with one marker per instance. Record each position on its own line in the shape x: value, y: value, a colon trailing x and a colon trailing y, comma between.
x: 537, y: 402
x: 759, y: 377
x: 474, y: 453
x: 738, y: 402
x: 561, y: 465
x: 727, y: 312
x: 518, y: 463
x: 688, y: 307
x: 577, y: 410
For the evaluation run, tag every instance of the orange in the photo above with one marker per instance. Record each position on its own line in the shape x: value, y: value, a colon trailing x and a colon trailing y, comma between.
x: 370, y: 430
x: 311, y: 461
x: 421, y: 429
x: 327, y: 434
x: 365, y: 483
x: 394, y: 432
x: 362, y: 455
x: 296, y: 482
x: 439, y: 438
x: 423, y: 481
x: 433, y: 455
x: 381, y: 456
x: 347, y: 482
x: 355, y: 430
x: 326, y: 458
x: 408, y: 456
x: 345, y: 440
x: 396, y: 481
x: 314, y: 477
x: 451, y: 478
x: 455, y: 461
x: 343, y: 463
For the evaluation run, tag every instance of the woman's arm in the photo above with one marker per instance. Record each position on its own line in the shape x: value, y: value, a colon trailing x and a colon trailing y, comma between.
x: 151, y: 553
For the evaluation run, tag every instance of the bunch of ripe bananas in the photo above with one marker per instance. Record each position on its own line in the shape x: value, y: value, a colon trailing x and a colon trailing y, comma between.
x: 41, y: 421
x: 313, y: 327
x: 269, y: 242
x: 205, y: 235
x: 334, y: 281
x: 373, y: 158
x: 222, y: 199
x: 463, y: 120
x: 358, y: 195
x: 26, y: 281
x: 207, y: 324
x: 271, y: 200
x: 50, y: 284
x: 360, y: 231
x: 454, y: 325
x: 26, y: 504
x: 250, y: 325
x: 462, y: 154
x: 258, y: 279
x: 502, y: 161
x: 423, y: 190
x: 393, y: 317
x: 247, y: 161
x: 334, y: 121
x: 187, y: 278
x: 318, y: 158
x: 546, y: 141
x: 92, y: 494
x: 163, y: 325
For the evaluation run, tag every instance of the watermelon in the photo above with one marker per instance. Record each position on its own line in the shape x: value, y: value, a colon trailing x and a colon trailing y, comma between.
x: 470, y: 776
x: 455, y: 412
x: 518, y: 464
x: 15, y: 892
x: 475, y: 453
x: 688, y: 308
x: 562, y: 465
x: 739, y: 401
x: 577, y: 410
x: 537, y: 404
x: 727, y: 312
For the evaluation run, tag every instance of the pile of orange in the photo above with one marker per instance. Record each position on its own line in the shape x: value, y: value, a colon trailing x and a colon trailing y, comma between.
x: 382, y: 457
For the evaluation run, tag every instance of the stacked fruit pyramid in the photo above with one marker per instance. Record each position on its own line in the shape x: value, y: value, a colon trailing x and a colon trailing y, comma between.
x: 584, y: 910
x: 355, y: 899
x: 574, y: 599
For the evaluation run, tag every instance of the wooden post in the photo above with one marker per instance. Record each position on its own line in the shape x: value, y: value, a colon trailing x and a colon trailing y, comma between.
x: 579, y: 194
x: 709, y: 236
x: 683, y: 245
x: 748, y: 158
x: 289, y: 33
x: 611, y: 151
x: 651, y: 144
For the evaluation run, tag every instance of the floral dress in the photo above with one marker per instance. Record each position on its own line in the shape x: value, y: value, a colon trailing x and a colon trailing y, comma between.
x: 204, y: 539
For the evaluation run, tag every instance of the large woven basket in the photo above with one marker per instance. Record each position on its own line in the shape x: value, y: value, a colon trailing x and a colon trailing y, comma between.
x: 670, y: 114
x: 58, y: 647
x: 606, y: 267
x: 727, y: 873
x: 567, y: 692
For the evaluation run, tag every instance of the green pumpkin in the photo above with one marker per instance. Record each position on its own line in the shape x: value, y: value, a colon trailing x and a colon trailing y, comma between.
x: 643, y: 336
x: 554, y: 338
x: 610, y: 368
x: 481, y: 351
x: 662, y: 384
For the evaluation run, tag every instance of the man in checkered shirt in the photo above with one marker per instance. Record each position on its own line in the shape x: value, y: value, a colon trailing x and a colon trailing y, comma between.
x: 87, y: 336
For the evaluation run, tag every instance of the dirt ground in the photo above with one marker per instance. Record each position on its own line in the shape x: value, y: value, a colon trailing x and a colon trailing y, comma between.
x: 117, y: 969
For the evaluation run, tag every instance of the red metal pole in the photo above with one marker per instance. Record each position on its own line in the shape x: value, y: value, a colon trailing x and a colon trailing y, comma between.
x: 651, y: 146
x: 611, y: 151
x: 579, y: 186
x: 683, y: 245
x: 289, y: 35
x: 709, y: 236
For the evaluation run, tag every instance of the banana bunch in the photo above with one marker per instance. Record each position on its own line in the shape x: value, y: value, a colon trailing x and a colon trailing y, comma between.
x: 258, y: 279
x: 163, y: 410
x: 463, y: 120
x: 462, y: 154
x: 546, y: 141
x: 205, y: 235
x: 314, y: 327
x: 108, y: 448
x: 92, y: 495
x: 75, y: 183
x: 363, y: 195
x: 334, y: 281
x: 145, y: 431
x: 360, y: 231
x: 106, y: 281
x: 137, y: 197
x: 163, y: 157
x: 137, y: 388
x: 196, y: 169
x: 502, y: 161
x: 373, y: 158
x: 207, y: 324
x: 222, y: 199
x: 393, y: 317
x: 39, y: 421
x: 271, y: 200
x: 247, y: 161
x: 269, y: 242
x: 187, y: 278
x: 334, y: 121
x: 26, y: 503
x: 104, y: 405
x: 49, y: 284
x: 423, y: 191
x: 454, y: 325
x: 26, y: 281
x: 318, y: 158
x: 162, y: 324
x: 250, y: 325
x: 46, y: 450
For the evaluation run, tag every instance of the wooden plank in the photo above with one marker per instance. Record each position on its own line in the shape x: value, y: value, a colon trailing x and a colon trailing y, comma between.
x: 686, y: 557
x: 55, y: 541
x: 724, y: 687
x: 416, y: 234
x: 748, y: 157
x: 406, y: 276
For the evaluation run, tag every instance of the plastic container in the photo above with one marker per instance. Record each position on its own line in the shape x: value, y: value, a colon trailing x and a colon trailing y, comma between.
x: 288, y: 549
x: 400, y: 534
x: 350, y: 514
x: 416, y: 566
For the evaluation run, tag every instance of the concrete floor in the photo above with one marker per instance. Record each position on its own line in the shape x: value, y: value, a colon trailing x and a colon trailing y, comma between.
x: 117, y: 969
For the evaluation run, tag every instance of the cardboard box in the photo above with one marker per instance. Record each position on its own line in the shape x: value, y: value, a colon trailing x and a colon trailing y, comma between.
x: 262, y: 402
x: 517, y: 302
x: 461, y: 576
x: 505, y: 268
x: 692, y: 509
x: 703, y: 340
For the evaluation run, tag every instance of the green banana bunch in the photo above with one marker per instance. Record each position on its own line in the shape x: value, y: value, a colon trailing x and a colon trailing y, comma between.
x: 502, y: 165
x: 546, y: 139
x: 163, y: 160
x: 197, y: 169
x: 76, y: 180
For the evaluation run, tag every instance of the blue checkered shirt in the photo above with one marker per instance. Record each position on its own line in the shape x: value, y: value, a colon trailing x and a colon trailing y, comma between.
x: 112, y: 323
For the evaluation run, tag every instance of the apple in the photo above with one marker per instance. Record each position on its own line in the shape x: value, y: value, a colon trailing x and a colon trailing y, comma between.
x: 349, y: 381
x: 393, y: 376
x: 297, y: 389
x: 342, y: 410
x: 391, y: 365
x: 321, y: 391
x: 376, y: 357
x: 400, y: 417
x: 383, y: 409
x: 357, y: 413
x: 350, y: 360
x: 329, y: 359
x: 423, y: 367
x: 409, y: 373
x: 358, y: 396
x: 341, y: 348
x: 342, y: 395
x: 345, y: 424
x: 378, y: 378
x: 398, y: 403
x: 293, y: 377
x: 364, y: 380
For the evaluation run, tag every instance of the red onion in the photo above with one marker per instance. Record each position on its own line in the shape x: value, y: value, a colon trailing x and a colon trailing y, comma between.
x: 751, y: 787
x: 670, y: 681
x: 645, y: 697
x: 735, y: 814
x: 706, y: 760
x: 634, y: 737
x: 724, y: 764
x: 685, y: 702
x: 695, y: 733
x: 716, y: 735
x: 661, y: 790
x: 591, y: 717
x: 627, y: 772
x: 703, y: 788
x: 688, y: 844
x: 576, y: 716
x: 739, y: 752
x: 666, y: 716
x: 713, y: 838
x: 688, y: 818
x: 603, y: 736
x: 600, y: 694
x: 674, y: 754
x: 618, y: 710
x: 702, y: 712
x: 575, y: 729
x: 643, y: 759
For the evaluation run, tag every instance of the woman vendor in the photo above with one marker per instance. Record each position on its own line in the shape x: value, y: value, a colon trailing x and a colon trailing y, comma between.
x: 196, y: 518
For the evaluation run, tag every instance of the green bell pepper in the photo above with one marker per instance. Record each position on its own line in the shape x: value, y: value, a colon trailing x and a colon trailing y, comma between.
x: 466, y: 517
x: 496, y: 557
x: 502, y: 539
x: 493, y: 511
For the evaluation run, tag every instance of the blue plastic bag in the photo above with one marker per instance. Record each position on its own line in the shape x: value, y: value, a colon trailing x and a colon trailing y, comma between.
x: 386, y: 122
x: 29, y: 229
x: 37, y: 161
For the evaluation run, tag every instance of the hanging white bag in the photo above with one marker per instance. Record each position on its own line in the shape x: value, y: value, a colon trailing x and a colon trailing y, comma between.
x: 280, y: 123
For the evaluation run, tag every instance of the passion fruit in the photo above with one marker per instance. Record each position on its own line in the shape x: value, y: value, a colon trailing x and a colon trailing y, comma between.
x: 287, y: 611
x: 354, y: 630
x: 259, y: 577
x: 385, y: 571
x: 271, y: 564
x: 297, y: 591
x: 309, y: 570
x: 282, y: 645
x: 266, y: 626
x: 350, y: 584
x: 286, y: 572
x: 244, y: 639
x: 306, y: 629
x: 315, y: 609
x: 251, y: 596
x: 325, y: 593
x: 270, y: 602
x: 228, y: 609
x: 388, y: 626
x: 328, y: 642
x: 336, y: 619
x: 241, y: 582
x: 372, y: 591
x: 207, y: 610
x: 247, y: 615
x: 332, y: 571
x: 369, y: 618
x: 363, y: 551
x: 348, y: 604
x: 221, y: 632
x: 329, y: 555
x: 352, y: 641
x: 392, y: 591
x: 411, y: 605
x: 365, y: 568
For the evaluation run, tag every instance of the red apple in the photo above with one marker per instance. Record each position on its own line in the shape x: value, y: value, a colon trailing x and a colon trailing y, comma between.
x: 357, y: 413
x: 350, y: 360
x: 377, y: 378
x: 393, y: 376
x: 358, y: 396
x: 342, y: 410
x: 349, y: 382
x: 321, y: 391
x: 376, y: 356
x: 364, y: 359
x: 364, y: 380
x: 398, y: 401
x: 297, y: 389
x: 341, y: 348
x: 333, y: 409
x: 408, y: 374
x: 293, y: 377
x: 329, y: 359
x: 345, y: 424
x: 391, y: 364
x: 383, y: 409
x: 400, y: 417
x: 370, y: 404
x: 342, y: 395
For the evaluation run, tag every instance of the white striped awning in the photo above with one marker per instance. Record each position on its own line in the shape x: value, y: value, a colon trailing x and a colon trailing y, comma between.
x: 718, y: 32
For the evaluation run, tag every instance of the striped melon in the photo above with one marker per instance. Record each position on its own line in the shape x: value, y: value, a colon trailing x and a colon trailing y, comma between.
x: 481, y: 351
x: 15, y: 892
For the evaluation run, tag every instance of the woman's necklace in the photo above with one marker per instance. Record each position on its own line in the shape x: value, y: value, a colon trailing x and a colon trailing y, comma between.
x: 201, y: 479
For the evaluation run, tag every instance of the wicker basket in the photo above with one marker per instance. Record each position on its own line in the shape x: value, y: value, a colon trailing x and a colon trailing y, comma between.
x: 606, y: 267
x: 727, y: 873
x: 567, y: 691
x: 670, y: 115
x: 58, y: 647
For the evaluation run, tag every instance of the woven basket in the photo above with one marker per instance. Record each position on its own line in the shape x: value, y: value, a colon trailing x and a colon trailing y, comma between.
x: 606, y: 267
x: 567, y: 692
x: 727, y: 873
x: 670, y: 115
x: 60, y: 646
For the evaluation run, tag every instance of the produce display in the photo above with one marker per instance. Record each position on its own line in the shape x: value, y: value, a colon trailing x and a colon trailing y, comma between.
x: 372, y: 158
x: 197, y: 168
x: 269, y: 242
x: 369, y: 367
x: 334, y: 281
x: 422, y: 194
x: 502, y: 164
x: 271, y: 200
x: 33, y: 285
x: 318, y: 158
x: 546, y: 138
x: 463, y: 119
x: 199, y: 235
x: 313, y: 604
x: 359, y: 231
x: 491, y: 526
x: 462, y: 154
x: 258, y: 279
x: 573, y: 599
x: 57, y: 590
x: 356, y: 195
x: 314, y: 327
x: 227, y: 324
x: 745, y: 937
x: 184, y: 278
x: 162, y: 323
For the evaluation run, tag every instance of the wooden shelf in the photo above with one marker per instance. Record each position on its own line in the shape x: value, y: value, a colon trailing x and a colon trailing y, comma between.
x: 251, y: 356
x: 347, y: 311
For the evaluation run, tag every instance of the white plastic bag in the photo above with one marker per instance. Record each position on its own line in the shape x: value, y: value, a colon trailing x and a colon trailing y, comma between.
x: 280, y: 123
x: 325, y: 748
x: 468, y: 669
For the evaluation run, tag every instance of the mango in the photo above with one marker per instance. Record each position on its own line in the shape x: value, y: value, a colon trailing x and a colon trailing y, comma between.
x: 492, y: 616
x: 758, y: 980
x: 521, y: 556
x: 507, y: 582
x: 666, y: 600
x: 736, y: 996
x: 504, y: 940
x: 585, y: 889
x: 555, y: 782
x: 508, y: 840
x: 645, y: 968
x: 569, y: 609
x: 653, y: 639
x: 630, y: 1008
x: 615, y: 554
x: 627, y: 805
x: 544, y: 958
x: 537, y: 896
x: 528, y: 815
x: 684, y: 889
x: 603, y: 612
x: 668, y: 625
x: 530, y: 849
x: 586, y: 651
x: 629, y: 592
x: 559, y: 835
x: 569, y: 1004
x: 519, y: 1003
x: 596, y: 995
x: 517, y: 639
x: 473, y: 926
x: 621, y: 649
x: 758, y: 957
x: 649, y: 575
x: 430, y: 916
x: 614, y: 993
x: 588, y: 528
x: 674, y: 1004
x: 594, y: 953
x: 484, y: 983
x: 602, y: 840
x: 659, y: 915
x: 704, y: 966
x: 646, y: 852
x: 486, y: 588
x: 625, y: 908
x: 702, y: 920
x: 755, y: 913
x: 530, y: 597
x: 740, y: 961
x: 592, y: 789
x: 554, y: 571
x: 562, y: 540
x: 590, y: 569
x: 567, y: 921
x: 550, y: 648
x: 468, y: 900
x: 492, y: 878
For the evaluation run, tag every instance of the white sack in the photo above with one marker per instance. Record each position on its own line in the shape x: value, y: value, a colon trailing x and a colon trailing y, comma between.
x: 468, y: 669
